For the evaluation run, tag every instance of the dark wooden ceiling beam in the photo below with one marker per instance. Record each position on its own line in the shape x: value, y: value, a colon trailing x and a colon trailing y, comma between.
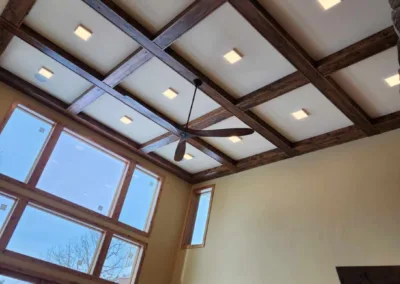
x: 72, y: 63
x: 60, y: 107
x: 352, y: 54
x: 15, y: 12
x: 269, y: 28
x: 128, y: 25
x: 192, y: 15
x: 351, y: 133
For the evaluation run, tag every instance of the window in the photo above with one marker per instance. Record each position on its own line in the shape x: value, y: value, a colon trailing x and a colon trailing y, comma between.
x: 140, y: 200
x: 83, y: 173
x: 21, y: 142
x: 121, y: 261
x: 6, y: 204
x: 51, y: 158
x: 43, y: 235
x: 198, y: 217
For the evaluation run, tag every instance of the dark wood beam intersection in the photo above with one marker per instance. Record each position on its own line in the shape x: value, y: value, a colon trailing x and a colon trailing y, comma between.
x: 269, y: 28
x: 178, y: 26
x: 128, y: 25
x: 14, y: 12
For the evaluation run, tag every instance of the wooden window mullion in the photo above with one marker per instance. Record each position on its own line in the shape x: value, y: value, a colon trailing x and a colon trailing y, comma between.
x: 12, y: 223
x: 45, y: 155
x: 101, y: 258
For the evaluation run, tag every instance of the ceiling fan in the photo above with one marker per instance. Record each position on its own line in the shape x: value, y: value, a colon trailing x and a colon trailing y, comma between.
x: 189, y: 133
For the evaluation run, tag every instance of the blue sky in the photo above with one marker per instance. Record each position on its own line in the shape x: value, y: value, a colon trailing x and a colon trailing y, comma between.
x: 77, y: 172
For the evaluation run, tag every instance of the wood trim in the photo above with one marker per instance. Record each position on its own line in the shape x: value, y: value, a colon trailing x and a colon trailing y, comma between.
x: 357, y: 52
x: 66, y: 208
x: 30, y: 261
x: 15, y: 12
x: 101, y: 258
x: 123, y: 191
x: 59, y: 107
x: 192, y: 15
x: 7, y: 117
x: 19, y: 276
x: 128, y: 25
x: 44, y: 156
x: 191, y: 216
x: 269, y: 28
x: 12, y: 222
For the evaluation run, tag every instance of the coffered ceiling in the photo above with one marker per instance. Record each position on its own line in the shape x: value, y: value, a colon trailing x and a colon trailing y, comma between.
x: 295, y: 56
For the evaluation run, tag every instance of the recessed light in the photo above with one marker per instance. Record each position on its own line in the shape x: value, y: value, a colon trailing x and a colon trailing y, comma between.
x: 393, y: 80
x: 170, y: 94
x: 233, y: 56
x: 327, y: 4
x: 301, y: 114
x: 188, y: 157
x: 235, y: 139
x: 46, y: 73
x: 83, y: 33
x: 126, y: 120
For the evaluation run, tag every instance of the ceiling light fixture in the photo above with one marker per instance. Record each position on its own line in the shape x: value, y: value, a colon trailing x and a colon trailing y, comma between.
x: 235, y: 139
x: 170, y: 94
x: 188, y: 157
x: 301, y: 114
x: 45, y: 73
x: 233, y: 56
x: 327, y: 4
x: 126, y: 120
x: 393, y: 80
x: 83, y: 33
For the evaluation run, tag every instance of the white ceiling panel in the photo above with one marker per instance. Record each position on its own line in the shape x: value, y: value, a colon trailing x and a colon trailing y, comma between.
x: 152, y: 79
x: 365, y: 83
x: 153, y: 14
x: 199, y: 163
x: 323, y: 115
x: 25, y: 61
x: 322, y: 32
x: 109, y: 111
x: 249, y: 146
x: 57, y: 20
x: 225, y: 29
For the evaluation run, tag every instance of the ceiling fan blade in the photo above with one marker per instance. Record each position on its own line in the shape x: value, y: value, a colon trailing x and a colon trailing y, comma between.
x: 180, y: 150
x: 221, y: 132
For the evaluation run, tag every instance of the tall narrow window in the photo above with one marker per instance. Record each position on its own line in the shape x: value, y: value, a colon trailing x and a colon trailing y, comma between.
x: 42, y: 234
x: 198, y: 217
x: 83, y: 173
x: 21, y: 142
x: 140, y: 200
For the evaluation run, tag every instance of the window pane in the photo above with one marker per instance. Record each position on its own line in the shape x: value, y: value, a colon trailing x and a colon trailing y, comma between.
x: 201, y: 219
x: 120, y: 261
x: 82, y: 173
x: 6, y: 204
x: 21, y: 141
x: 9, y: 280
x: 139, y: 200
x: 48, y: 237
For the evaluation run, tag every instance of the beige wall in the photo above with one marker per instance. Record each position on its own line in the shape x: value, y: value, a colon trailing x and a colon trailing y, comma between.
x: 165, y: 237
x: 296, y: 220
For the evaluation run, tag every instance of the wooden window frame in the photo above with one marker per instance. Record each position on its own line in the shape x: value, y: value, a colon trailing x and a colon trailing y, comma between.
x: 70, y: 128
x: 25, y: 193
x: 191, y: 216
